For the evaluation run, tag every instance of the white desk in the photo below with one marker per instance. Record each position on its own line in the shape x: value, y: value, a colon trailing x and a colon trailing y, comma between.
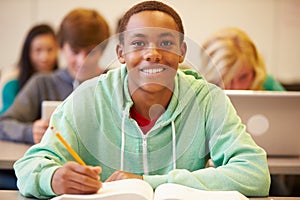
x: 10, y: 152
x: 12, y: 195
x: 284, y: 166
x: 15, y: 195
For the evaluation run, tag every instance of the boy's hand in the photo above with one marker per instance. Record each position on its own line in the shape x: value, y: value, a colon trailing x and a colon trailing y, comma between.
x: 119, y: 175
x: 74, y: 178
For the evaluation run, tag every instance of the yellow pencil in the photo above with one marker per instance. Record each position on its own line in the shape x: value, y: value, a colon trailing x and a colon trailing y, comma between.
x: 69, y: 148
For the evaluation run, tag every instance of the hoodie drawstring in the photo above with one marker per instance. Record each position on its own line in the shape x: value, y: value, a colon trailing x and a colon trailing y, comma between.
x: 174, y: 144
x: 123, y: 142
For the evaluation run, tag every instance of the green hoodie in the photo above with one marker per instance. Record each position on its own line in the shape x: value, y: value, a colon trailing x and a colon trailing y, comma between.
x: 200, y: 123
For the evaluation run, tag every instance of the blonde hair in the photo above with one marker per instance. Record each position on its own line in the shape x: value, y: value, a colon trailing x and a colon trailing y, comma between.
x: 226, y: 49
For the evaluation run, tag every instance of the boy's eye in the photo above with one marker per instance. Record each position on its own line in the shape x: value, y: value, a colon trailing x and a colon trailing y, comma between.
x: 138, y: 43
x: 91, y: 52
x: 166, y: 43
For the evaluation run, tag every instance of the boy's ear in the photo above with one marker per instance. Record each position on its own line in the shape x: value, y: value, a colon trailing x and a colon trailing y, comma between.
x: 183, y: 50
x: 120, y: 53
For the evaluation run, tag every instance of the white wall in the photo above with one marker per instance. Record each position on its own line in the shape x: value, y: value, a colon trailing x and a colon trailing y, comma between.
x: 274, y: 25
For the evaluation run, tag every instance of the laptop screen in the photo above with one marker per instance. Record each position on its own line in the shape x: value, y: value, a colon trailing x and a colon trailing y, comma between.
x: 272, y: 119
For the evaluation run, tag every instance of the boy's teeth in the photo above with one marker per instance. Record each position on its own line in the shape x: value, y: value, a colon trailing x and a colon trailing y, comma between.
x: 152, y: 71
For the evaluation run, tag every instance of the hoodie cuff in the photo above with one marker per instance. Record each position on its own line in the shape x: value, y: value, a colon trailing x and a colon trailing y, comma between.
x: 46, y: 179
x: 155, y: 180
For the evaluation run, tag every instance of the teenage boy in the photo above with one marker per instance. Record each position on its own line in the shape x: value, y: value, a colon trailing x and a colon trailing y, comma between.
x: 146, y: 120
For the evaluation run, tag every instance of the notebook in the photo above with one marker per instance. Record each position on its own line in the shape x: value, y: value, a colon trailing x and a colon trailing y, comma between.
x: 272, y: 118
x: 48, y: 107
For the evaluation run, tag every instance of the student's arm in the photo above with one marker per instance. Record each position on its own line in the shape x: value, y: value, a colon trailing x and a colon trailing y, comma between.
x: 239, y: 163
x: 16, y: 124
x: 48, y: 169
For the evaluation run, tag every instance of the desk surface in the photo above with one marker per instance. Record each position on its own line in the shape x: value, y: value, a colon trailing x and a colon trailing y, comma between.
x: 10, y: 152
x: 11, y: 195
x: 15, y: 195
x: 285, y: 166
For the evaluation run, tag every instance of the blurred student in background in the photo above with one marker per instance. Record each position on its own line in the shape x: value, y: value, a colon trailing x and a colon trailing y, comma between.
x: 39, y: 54
x: 235, y: 62
x: 81, y: 33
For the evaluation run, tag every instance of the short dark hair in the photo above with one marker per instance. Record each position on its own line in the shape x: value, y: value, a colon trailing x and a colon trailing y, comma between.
x: 82, y: 28
x: 149, y: 6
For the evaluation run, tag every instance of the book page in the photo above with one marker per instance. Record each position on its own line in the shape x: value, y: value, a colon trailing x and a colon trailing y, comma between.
x: 171, y: 191
x: 127, y: 189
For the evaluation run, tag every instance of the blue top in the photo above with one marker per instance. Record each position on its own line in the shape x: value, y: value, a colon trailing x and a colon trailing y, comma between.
x: 9, y: 93
x: 272, y: 84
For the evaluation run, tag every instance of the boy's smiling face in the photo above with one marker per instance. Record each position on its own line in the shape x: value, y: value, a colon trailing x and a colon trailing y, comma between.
x: 151, y: 51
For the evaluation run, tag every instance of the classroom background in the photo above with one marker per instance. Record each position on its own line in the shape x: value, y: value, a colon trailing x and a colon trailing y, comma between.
x: 274, y: 25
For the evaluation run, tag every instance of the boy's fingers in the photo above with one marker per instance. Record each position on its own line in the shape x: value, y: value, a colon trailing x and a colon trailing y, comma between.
x: 97, y: 169
x: 90, y: 171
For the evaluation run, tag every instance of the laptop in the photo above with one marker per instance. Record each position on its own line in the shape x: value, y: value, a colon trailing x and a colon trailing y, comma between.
x: 48, y: 108
x: 272, y: 118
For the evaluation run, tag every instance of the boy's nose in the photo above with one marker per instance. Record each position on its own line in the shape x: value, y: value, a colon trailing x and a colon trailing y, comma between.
x: 152, y: 54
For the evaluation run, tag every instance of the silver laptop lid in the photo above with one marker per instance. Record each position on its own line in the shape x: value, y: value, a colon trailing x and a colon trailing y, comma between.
x: 272, y: 118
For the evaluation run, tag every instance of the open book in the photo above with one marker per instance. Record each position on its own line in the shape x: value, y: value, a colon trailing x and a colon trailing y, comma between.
x: 136, y: 189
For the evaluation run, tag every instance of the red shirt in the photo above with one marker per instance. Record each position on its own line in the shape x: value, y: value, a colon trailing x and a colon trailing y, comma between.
x: 143, y: 123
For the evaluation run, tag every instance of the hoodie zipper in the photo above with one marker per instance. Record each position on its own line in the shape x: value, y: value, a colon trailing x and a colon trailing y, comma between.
x: 144, y: 146
x: 145, y: 160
